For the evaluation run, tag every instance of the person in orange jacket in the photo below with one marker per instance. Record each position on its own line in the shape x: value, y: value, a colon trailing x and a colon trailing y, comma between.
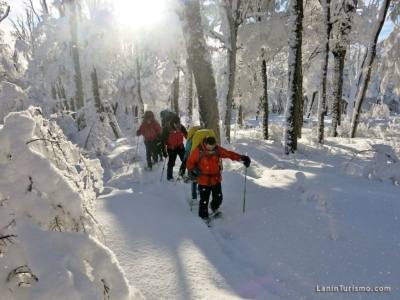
x: 151, y: 131
x: 204, y: 164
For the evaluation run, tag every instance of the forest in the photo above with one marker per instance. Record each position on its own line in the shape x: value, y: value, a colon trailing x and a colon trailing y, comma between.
x: 308, y: 91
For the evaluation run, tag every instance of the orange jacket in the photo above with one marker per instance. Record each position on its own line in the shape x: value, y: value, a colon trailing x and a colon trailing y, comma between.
x: 209, y: 163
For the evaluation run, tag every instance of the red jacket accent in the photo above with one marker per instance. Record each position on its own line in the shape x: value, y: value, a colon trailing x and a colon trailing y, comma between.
x: 175, y: 139
x: 149, y: 131
x: 209, y: 164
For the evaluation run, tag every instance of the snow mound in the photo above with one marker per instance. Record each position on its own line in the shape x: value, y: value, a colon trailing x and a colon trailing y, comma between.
x: 385, y: 165
x: 49, y: 246
x: 12, y: 98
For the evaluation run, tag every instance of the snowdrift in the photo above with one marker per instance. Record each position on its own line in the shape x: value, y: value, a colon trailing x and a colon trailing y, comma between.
x: 49, y: 238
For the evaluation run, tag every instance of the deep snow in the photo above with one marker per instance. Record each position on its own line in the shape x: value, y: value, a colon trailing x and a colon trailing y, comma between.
x: 311, y: 219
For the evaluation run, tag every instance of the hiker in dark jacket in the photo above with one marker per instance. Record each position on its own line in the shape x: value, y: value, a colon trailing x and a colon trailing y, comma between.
x: 172, y: 137
x: 204, y: 163
x: 151, y: 131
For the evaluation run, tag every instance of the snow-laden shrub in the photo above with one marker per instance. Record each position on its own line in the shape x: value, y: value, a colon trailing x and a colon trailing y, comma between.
x: 275, y: 132
x: 12, y: 98
x: 370, y: 128
x: 385, y: 165
x: 48, y: 234
x: 379, y: 111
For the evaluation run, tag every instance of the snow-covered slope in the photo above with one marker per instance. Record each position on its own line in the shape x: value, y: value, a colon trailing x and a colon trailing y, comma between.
x: 312, y: 220
x: 49, y: 239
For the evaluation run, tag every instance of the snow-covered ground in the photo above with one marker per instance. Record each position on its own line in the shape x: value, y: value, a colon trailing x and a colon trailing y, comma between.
x: 325, y: 216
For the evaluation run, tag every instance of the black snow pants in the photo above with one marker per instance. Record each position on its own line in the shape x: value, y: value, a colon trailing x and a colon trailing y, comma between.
x: 151, y: 152
x: 205, y: 191
x: 172, y: 154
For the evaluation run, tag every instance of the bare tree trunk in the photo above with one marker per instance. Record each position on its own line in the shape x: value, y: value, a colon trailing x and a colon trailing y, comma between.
x: 200, y: 62
x: 175, y: 93
x: 295, y: 93
x: 96, y: 94
x: 232, y: 50
x: 341, y: 20
x: 189, y: 92
x: 61, y: 95
x: 326, y: 5
x: 139, y: 85
x: 311, y: 105
x: 265, y: 99
x: 79, y: 95
x: 5, y: 15
x: 104, y: 110
x: 338, y: 60
x: 240, y: 115
x: 45, y: 8
x: 366, y: 72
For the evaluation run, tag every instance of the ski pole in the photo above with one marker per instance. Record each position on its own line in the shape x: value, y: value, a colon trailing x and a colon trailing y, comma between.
x: 244, y: 193
x: 162, y: 172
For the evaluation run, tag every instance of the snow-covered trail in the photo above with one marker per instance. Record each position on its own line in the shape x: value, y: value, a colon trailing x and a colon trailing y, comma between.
x: 165, y: 250
x: 311, y: 219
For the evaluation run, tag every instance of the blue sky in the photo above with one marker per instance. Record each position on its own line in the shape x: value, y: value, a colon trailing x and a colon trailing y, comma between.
x: 386, y: 30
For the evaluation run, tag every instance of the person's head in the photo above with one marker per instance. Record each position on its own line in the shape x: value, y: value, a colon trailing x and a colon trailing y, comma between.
x: 175, y: 122
x: 148, y: 116
x: 210, y: 143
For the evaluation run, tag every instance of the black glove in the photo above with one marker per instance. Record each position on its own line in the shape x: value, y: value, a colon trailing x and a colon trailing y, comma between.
x: 246, y: 160
x: 182, y: 169
x: 193, y: 174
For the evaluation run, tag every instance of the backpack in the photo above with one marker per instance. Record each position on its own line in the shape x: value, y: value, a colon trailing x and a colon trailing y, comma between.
x: 192, y: 131
x: 166, y: 116
x: 199, y: 136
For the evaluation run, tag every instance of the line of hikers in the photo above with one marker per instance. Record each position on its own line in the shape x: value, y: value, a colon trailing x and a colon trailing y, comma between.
x: 201, y: 155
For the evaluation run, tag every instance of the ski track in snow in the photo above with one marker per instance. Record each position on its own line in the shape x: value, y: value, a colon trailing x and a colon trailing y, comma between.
x: 306, y: 223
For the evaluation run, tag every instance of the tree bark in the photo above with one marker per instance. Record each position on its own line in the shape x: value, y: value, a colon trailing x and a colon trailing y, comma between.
x: 79, y: 94
x: 311, y: 104
x: 175, y: 93
x: 139, y: 86
x: 200, y: 62
x: 240, y: 115
x: 295, y: 93
x: 104, y: 110
x: 189, y: 91
x: 326, y: 5
x: 5, y: 15
x: 338, y: 61
x: 233, y: 25
x: 265, y: 99
x: 341, y: 21
x: 96, y: 94
x: 366, y: 72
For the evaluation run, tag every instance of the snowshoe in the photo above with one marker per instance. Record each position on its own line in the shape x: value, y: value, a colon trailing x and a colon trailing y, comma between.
x: 216, y: 214
x: 213, y: 216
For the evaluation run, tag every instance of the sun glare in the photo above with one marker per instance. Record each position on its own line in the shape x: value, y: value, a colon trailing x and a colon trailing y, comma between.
x: 139, y: 13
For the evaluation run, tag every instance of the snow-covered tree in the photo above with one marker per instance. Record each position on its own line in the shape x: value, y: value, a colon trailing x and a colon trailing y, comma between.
x: 341, y: 19
x: 200, y: 62
x: 295, y: 78
x: 326, y: 6
x: 366, y: 72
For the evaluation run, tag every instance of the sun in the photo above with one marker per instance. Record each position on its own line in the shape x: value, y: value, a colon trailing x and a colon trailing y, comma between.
x: 138, y: 14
